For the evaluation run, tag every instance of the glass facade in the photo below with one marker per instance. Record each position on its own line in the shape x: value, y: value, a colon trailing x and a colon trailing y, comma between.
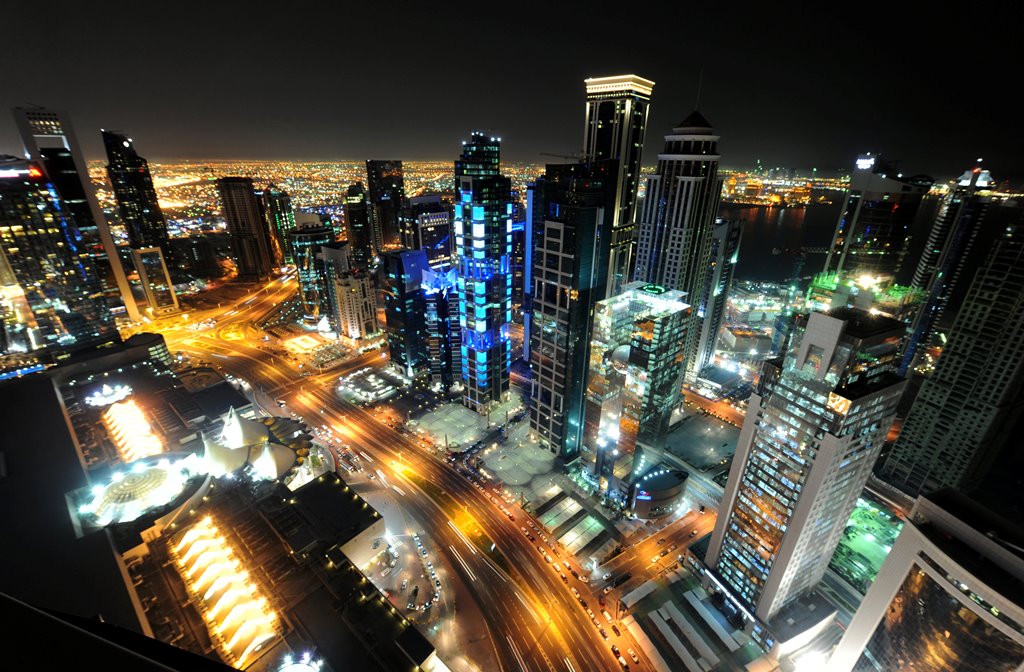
x: 483, y: 244
x: 243, y: 213
x: 357, y: 226
x: 386, y: 185
x: 405, y: 311
x: 309, y: 268
x: 277, y: 208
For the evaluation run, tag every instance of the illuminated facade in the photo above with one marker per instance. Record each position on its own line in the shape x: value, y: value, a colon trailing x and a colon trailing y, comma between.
x: 811, y: 436
x: 155, y: 279
x: 966, y: 411
x: 614, y: 128
x: 677, y: 225
x: 572, y: 248
x: 874, y: 223
x: 130, y: 431
x: 50, y: 141
x: 427, y: 225
x: 305, y: 244
x: 725, y: 250
x: 353, y: 310
x: 442, y: 326
x: 636, y: 367
x: 385, y: 186
x: 280, y: 221
x: 243, y: 213
x: 483, y: 242
x: 946, y: 598
x: 405, y: 311
x: 238, y: 617
x: 50, y: 295
x: 357, y: 226
x: 961, y: 216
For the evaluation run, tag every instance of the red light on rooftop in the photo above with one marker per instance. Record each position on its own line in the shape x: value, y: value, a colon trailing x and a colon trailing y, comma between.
x: 34, y: 172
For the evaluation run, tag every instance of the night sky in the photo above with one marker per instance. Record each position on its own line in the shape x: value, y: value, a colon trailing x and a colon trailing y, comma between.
x: 332, y: 81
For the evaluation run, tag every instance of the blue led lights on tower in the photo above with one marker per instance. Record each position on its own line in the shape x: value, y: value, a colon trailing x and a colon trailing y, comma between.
x: 483, y: 244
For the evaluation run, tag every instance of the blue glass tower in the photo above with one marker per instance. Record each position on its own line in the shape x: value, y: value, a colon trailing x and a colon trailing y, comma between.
x: 483, y: 245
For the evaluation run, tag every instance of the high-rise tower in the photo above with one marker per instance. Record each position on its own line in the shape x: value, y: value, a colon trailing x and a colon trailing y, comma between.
x: 678, y: 220
x: 725, y: 249
x: 967, y: 409
x: 874, y: 223
x: 405, y: 309
x: 246, y: 227
x: 483, y: 242
x: 357, y: 225
x: 614, y: 127
x: 571, y: 253
x: 305, y: 243
x: 811, y: 436
x: 280, y: 218
x: 426, y: 224
x: 950, y: 240
x: 385, y: 185
x: 50, y: 141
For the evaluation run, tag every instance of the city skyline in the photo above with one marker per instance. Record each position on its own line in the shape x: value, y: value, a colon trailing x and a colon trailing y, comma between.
x: 822, y: 120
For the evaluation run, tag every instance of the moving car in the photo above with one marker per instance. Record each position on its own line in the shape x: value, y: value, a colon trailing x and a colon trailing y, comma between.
x: 632, y: 654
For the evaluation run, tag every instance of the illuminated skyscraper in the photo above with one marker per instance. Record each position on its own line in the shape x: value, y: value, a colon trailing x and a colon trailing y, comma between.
x: 483, y: 243
x: 572, y: 248
x: 442, y: 325
x: 874, y: 223
x: 357, y: 224
x: 947, y: 596
x: 967, y: 409
x: 405, y: 310
x: 426, y: 224
x: 246, y: 226
x: 309, y: 269
x: 677, y: 224
x: 810, y: 438
x: 280, y: 218
x: 385, y: 185
x: 50, y: 141
x: 616, y: 120
x: 353, y: 311
x: 961, y: 216
x: 725, y: 250
x: 50, y: 296
x: 635, y: 371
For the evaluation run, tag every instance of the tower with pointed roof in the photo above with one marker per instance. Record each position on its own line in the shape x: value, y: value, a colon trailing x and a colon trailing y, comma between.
x: 676, y: 221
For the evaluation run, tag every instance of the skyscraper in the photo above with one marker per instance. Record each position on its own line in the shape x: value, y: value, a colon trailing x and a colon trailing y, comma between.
x: 50, y: 141
x: 947, y: 596
x: 426, y: 224
x: 386, y: 195
x: 874, y: 223
x: 614, y: 127
x: 143, y: 221
x: 810, y: 438
x: 725, y: 249
x: 357, y: 225
x: 50, y: 296
x: 442, y: 325
x: 960, y: 218
x: 309, y: 269
x: 571, y: 257
x: 483, y: 241
x: 677, y: 223
x: 280, y: 218
x: 635, y: 371
x: 966, y: 410
x: 405, y: 311
x: 353, y: 311
x: 246, y: 226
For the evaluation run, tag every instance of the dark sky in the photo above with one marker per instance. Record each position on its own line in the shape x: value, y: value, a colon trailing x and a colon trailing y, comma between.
x: 794, y: 86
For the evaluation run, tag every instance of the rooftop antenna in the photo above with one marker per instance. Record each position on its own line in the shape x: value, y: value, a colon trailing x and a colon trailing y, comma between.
x: 700, y: 81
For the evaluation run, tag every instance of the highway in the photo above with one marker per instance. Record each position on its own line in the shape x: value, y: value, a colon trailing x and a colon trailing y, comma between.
x: 534, y: 620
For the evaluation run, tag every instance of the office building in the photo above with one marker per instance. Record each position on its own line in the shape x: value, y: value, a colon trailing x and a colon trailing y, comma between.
x: 198, y: 255
x: 440, y: 294
x: 51, y: 300
x: 635, y: 372
x: 810, y: 438
x: 571, y: 257
x: 357, y: 227
x: 305, y: 245
x: 874, y: 223
x: 405, y: 312
x: 426, y: 224
x: 724, y: 253
x: 518, y: 265
x: 50, y: 141
x: 614, y: 127
x: 948, y: 596
x: 247, y: 228
x: 534, y: 222
x: 677, y: 222
x: 385, y: 186
x: 155, y: 278
x: 352, y: 310
x: 280, y: 221
x: 483, y: 241
x: 961, y: 216
x: 966, y: 410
